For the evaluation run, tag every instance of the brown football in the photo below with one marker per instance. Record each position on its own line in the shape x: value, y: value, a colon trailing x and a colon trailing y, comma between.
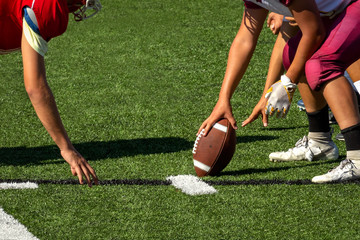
x: 211, y: 154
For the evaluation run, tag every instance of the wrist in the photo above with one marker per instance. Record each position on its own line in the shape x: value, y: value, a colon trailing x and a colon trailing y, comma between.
x: 286, y: 81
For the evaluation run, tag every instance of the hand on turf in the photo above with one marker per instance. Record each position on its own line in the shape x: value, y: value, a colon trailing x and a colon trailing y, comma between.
x: 79, y: 166
x: 221, y: 110
x: 259, y: 109
x: 279, y: 97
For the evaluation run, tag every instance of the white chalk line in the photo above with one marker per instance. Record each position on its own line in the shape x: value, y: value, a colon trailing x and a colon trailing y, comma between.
x: 191, y: 185
x: 10, y: 228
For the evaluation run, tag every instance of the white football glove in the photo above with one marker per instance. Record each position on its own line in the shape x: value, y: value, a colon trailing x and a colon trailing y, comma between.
x: 279, y: 97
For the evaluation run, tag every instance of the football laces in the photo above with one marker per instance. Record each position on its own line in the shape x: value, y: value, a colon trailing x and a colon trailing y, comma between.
x: 197, y: 140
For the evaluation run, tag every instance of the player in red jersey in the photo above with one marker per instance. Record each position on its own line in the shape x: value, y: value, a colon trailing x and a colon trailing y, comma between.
x: 29, y: 25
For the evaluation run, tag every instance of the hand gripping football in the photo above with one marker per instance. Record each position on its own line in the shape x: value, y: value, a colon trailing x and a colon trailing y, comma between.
x: 211, y: 154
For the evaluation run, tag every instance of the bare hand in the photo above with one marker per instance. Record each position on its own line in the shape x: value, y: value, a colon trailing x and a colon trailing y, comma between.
x: 79, y: 166
x: 221, y: 110
x: 259, y: 109
x: 274, y: 22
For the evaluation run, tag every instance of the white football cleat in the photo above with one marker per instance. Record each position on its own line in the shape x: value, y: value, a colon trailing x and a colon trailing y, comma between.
x: 307, y: 149
x: 345, y: 171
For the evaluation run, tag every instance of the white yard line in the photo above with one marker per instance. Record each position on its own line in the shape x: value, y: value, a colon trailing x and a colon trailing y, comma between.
x: 10, y: 228
x: 191, y: 185
x: 25, y: 185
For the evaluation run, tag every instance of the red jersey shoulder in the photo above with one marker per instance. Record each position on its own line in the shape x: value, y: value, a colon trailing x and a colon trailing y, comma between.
x: 52, y: 16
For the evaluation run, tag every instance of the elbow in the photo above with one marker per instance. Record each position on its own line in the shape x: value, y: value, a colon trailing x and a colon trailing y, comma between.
x: 318, y: 36
x: 38, y: 94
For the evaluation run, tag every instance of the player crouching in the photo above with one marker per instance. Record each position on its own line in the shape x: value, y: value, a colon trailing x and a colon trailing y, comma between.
x: 29, y: 25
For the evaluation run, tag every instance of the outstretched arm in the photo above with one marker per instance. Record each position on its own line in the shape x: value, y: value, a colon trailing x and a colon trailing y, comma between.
x: 239, y: 57
x: 275, y: 70
x: 44, y: 104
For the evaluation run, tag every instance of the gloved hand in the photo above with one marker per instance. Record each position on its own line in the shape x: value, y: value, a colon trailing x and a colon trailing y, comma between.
x: 279, y: 97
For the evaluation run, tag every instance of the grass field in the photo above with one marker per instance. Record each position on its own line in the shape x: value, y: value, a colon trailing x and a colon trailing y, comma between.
x: 133, y: 85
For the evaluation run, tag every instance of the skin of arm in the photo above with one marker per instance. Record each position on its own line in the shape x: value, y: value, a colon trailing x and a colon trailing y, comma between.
x: 275, y: 70
x: 274, y: 22
x: 44, y: 104
x: 313, y: 34
x: 239, y: 57
x: 307, y: 17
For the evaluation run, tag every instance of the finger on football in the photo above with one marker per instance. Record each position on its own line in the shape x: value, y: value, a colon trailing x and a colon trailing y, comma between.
x: 201, y: 128
x: 207, y: 129
x: 232, y: 122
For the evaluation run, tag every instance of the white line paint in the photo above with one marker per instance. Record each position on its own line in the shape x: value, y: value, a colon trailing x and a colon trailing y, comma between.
x: 191, y: 185
x: 25, y: 185
x: 10, y: 228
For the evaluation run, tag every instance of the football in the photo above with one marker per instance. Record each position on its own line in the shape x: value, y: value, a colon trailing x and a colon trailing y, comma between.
x: 212, y: 153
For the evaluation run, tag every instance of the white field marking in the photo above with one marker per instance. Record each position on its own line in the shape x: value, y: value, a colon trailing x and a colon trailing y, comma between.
x: 10, y: 228
x: 220, y: 127
x: 191, y: 185
x: 25, y: 185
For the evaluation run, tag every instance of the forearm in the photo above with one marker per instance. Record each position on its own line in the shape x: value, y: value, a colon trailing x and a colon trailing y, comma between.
x: 313, y: 33
x: 44, y: 104
x: 276, y: 64
x: 242, y: 50
x: 276, y: 67
x: 238, y: 61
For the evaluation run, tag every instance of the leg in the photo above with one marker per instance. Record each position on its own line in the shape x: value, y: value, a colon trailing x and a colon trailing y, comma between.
x: 354, y: 73
x: 342, y: 100
x: 318, y: 144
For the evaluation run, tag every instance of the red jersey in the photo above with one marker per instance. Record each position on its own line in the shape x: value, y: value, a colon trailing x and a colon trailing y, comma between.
x: 52, y: 17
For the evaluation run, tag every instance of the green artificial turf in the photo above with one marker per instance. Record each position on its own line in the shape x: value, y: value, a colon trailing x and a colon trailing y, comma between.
x: 133, y: 85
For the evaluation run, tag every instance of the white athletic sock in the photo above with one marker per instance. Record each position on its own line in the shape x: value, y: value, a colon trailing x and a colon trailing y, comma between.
x: 320, y: 137
x: 354, y: 156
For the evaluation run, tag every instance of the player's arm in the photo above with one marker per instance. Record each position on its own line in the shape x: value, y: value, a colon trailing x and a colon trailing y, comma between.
x: 239, y: 57
x: 307, y: 17
x: 44, y: 104
x: 276, y: 69
x: 274, y: 22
